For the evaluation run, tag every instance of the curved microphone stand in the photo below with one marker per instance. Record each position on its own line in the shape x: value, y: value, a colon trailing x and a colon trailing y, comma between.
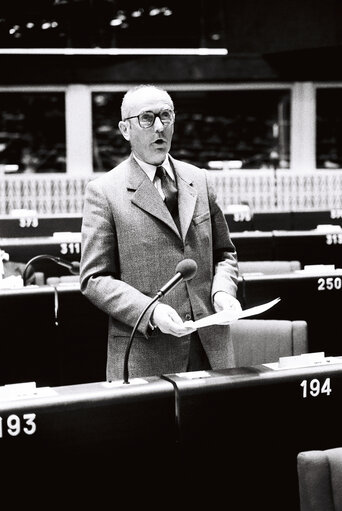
x: 73, y: 266
x: 185, y: 270
x: 128, y: 349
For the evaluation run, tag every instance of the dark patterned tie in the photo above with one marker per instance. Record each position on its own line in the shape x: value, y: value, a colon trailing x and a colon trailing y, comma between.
x: 169, y: 189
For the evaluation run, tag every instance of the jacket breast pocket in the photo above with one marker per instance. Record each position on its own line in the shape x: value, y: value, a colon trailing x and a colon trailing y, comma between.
x: 201, y: 218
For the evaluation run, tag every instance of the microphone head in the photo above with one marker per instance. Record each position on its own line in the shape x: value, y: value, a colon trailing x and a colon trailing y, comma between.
x: 187, y: 268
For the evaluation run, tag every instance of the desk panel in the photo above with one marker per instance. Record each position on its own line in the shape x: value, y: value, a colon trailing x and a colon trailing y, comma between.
x: 240, y: 222
x: 283, y: 220
x: 313, y: 298
x: 45, y: 225
x: 241, y: 431
x: 302, y: 220
x: 254, y: 246
x: 74, y: 351
x: 42, y: 225
x: 21, y: 250
x: 53, y: 336
x: 229, y: 436
x: 308, y: 247
x: 94, y: 438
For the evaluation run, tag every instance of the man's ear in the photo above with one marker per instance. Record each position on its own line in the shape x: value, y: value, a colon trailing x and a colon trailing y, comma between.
x: 124, y: 128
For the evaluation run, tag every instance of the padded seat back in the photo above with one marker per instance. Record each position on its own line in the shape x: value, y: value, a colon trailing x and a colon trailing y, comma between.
x: 262, y: 341
x: 269, y: 267
x: 320, y: 479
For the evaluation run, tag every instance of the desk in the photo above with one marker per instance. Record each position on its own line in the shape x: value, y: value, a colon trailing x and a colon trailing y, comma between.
x: 42, y: 225
x: 241, y: 431
x: 309, y: 247
x: 53, y: 336
x: 283, y: 220
x: 301, y: 220
x: 23, y: 249
x: 229, y: 437
x: 33, y: 347
x: 314, y: 298
x: 96, y: 437
x: 254, y: 245
x: 259, y: 221
x: 67, y: 246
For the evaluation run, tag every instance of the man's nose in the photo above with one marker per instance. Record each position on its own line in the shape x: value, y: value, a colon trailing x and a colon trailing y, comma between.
x: 158, y: 125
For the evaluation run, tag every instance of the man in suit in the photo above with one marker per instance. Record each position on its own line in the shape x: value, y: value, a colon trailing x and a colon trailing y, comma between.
x: 132, y: 241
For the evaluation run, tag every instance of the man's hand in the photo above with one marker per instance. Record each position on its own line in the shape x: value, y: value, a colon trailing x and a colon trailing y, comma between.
x: 225, y: 301
x: 169, y: 322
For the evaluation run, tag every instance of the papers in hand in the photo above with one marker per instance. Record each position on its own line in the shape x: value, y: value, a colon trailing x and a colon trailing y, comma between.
x: 228, y: 316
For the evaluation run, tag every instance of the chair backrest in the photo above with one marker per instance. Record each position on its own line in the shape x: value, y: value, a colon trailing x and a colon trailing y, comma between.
x: 269, y: 267
x: 320, y: 480
x: 262, y: 341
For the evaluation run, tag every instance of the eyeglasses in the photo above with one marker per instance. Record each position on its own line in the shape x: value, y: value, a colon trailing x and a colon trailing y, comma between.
x: 146, y: 119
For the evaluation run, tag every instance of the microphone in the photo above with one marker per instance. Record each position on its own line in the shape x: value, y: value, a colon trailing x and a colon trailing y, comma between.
x: 185, y: 270
x: 73, y: 266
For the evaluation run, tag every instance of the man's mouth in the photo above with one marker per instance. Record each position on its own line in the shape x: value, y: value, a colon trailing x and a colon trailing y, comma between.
x: 159, y: 141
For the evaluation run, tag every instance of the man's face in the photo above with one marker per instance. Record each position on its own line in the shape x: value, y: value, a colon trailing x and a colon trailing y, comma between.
x: 149, y: 144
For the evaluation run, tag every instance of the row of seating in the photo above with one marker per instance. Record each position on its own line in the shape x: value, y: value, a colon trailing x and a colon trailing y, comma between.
x: 245, y: 426
x: 23, y: 223
x: 308, y: 247
x: 59, y: 318
x: 245, y: 268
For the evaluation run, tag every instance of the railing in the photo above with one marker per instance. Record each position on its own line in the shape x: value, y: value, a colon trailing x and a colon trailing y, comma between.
x: 261, y: 190
x: 281, y: 190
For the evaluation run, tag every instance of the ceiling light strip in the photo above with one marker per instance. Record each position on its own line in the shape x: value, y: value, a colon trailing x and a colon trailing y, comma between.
x: 113, y: 51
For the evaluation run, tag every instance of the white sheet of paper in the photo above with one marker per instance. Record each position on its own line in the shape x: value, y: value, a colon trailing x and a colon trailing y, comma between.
x: 220, y: 318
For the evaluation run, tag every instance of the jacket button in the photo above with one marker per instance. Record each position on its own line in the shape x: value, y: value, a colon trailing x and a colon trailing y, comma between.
x: 188, y: 317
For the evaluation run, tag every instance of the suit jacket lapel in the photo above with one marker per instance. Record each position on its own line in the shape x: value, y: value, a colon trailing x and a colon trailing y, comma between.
x: 146, y: 196
x: 187, y: 197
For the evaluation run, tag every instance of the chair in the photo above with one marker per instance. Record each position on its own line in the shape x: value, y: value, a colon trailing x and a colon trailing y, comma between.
x: 262, y: 341
x: 269, y: 267
x: 320, y: 480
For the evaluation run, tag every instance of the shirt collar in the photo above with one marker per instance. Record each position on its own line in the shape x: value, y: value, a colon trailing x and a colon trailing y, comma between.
x: 150, y: 170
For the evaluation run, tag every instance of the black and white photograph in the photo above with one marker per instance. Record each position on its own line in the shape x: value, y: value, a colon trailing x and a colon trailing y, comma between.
x: 171, y: 254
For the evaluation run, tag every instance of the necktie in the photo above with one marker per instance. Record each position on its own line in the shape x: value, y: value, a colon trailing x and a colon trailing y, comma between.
x: 169, y: 189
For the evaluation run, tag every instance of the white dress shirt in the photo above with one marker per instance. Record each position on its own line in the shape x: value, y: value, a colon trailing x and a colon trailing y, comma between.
x: 150, y: 171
